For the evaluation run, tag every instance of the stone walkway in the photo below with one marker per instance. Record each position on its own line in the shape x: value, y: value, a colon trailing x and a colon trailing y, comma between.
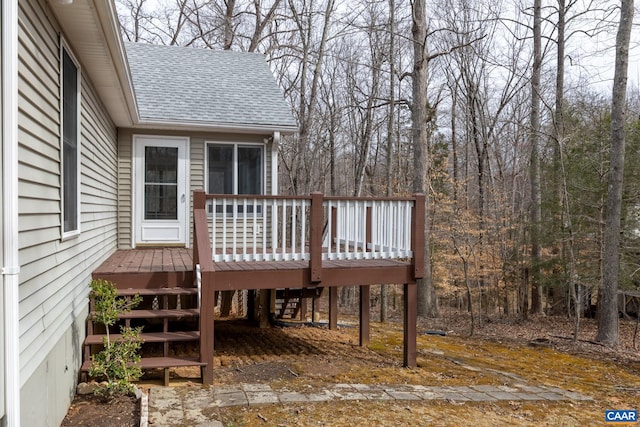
x: 196, y: 406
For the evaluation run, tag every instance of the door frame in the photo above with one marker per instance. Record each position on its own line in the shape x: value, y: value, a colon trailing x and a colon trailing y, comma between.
x: 136, y: 196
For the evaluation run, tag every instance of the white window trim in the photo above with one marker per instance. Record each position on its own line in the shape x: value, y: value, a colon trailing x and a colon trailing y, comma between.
x: 64, y: 47
x: 235, y: 162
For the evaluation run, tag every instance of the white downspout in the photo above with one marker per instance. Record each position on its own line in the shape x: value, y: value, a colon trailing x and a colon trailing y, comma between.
x: 10, y: 263
x: 274, y: 163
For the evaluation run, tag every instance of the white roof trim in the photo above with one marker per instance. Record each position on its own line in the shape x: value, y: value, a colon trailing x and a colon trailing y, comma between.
x: 215, y: 127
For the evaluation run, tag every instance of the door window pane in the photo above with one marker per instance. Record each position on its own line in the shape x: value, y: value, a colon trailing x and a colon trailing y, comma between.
x: 160, y: 201
x: 161, y: 165
x: 161, y: 183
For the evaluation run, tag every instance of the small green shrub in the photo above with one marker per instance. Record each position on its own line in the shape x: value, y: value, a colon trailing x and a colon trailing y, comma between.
x: 117, y: 361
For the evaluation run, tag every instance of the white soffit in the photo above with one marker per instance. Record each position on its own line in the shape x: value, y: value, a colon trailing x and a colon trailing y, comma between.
x: 91, y: 28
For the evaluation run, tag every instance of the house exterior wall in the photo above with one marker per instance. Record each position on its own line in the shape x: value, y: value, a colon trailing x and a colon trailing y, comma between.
x: 197, y: 142
x: 55, y: 272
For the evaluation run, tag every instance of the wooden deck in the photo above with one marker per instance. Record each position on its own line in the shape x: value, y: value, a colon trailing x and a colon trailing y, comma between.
x: 322, y: 255
x: 160, y: 267
x: 148, y: 268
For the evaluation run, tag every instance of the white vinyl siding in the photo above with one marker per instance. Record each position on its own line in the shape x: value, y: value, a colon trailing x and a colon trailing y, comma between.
x: 55, y: 273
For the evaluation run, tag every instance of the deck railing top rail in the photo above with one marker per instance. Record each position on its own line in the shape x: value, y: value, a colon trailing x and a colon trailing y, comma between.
x: 310, y: 228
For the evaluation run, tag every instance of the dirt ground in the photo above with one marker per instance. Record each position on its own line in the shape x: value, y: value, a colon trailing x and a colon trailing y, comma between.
x: 301, y: 357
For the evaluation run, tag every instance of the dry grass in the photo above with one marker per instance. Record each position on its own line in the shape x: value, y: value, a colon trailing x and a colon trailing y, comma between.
x: 333, y: 357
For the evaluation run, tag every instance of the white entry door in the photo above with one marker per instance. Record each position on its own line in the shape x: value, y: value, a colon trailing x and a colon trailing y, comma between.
x: 161, y: 200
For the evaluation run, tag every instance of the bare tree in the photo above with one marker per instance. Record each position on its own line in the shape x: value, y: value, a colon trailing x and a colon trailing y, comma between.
x: 427, y: 301
x: 608, y: 304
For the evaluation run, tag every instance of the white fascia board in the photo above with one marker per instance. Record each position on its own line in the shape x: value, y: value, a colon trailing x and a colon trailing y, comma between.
x: 214, y: 127
x: 110, y: 23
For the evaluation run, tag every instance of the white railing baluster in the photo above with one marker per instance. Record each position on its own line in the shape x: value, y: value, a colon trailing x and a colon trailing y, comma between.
x: 255, y: 228
x: 224, y: 229
x: 214, y: 224
x: 293, y: 229
x: 238, y: 234
x: 244, y: 229
x: 303, y: 231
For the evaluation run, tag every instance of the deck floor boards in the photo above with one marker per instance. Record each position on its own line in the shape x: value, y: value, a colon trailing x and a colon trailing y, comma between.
x: 237, y: 275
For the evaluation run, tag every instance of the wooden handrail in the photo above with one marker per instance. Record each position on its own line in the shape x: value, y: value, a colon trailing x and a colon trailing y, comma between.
x: 202, y: 256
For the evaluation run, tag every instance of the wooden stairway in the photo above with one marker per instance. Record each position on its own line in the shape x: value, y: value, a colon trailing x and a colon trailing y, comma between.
x: 288, y: 301
x: 168, y: 315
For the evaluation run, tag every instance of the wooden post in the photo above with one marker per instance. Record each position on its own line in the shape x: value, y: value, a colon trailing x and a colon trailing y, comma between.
x: 226, y: 303
x: 315, y: 244
x: 303, y: 309
x: 313, y: 310
x: 199, y: 203
x: 202, y: 256
x: 207, y: 305
x: 365, y: 291
x: 410, y: 322
x: 417, y: 236
x: 365, y: 296
x: 333, y: 308
x: 251, y: 305
x: 265, y: 308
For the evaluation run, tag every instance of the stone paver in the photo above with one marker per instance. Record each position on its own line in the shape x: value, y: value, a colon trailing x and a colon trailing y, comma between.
x: 171, y: 406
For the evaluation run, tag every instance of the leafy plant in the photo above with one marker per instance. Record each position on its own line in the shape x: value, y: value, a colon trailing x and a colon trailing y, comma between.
x: 117, y: 362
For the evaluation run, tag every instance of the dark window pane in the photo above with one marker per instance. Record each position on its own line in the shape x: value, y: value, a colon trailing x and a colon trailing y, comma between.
x: 161, y: 165
x: 220, y: 169
x: 160, y: 201
x: 69, y: 143
x: 249, y: 170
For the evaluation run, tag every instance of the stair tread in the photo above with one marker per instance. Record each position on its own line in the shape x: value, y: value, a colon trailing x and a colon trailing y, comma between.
x: 149, y: 337
x: 159, y: 362
x: 157, y: 291
x: 158, y: 314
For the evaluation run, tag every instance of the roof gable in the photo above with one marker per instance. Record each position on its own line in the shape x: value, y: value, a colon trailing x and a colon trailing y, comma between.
x: 202, y: 87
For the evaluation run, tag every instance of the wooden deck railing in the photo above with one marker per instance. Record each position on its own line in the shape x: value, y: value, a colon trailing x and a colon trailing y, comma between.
x: 281, y: 228
x: 315, y: 228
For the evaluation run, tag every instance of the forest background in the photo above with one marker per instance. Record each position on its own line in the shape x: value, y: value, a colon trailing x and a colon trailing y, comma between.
x: 512, y: 145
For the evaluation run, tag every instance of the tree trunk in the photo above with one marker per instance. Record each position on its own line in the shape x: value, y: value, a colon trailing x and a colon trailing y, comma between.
x: 608, y: 305
x: 228, y: 24
x: 534, y: 136
x: 427, y: 302
x: 384, y: 303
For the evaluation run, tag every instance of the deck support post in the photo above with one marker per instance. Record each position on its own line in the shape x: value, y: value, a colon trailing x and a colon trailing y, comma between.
x: 207, y: 305
x: 410, y: 321
x: 227, y: 303
x: 333, y: 308
x: 365, y: 296
x: 251, y: 305
x: 265, y: 308
x: 303, y: 309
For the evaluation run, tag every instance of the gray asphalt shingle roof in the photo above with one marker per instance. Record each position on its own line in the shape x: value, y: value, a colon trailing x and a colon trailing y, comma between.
x: 218, y: 88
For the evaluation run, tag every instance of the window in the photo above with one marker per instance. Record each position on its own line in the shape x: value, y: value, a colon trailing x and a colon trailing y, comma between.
x: 70, y: 94
x: 235, y: 169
